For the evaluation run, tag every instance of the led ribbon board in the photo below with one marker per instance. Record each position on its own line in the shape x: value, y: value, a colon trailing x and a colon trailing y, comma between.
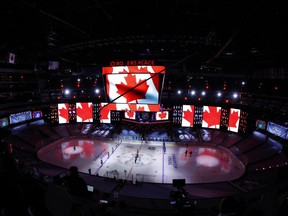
x: 105, y: 109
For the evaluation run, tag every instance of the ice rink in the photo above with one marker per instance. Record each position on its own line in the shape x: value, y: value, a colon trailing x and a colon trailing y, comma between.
x: 142, y: 161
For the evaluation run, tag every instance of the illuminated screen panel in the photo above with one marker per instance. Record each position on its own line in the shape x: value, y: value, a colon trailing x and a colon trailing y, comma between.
x: 277, y: 130
x: 211, y: 117
x: 187, y: 116
x: 20, y: 117
x: 133, y: 69
x: 135, y: 107
x: 148, y: 107
x: 162, y: 115
x: 261, y: 124
x: 51, y: 114
x: 177, y: 114
x: 132, y: 88
x: 72, y: 113
x: 37, y: 114
x: 133, y: 84
x: 198, y: 115
x: 105, y: 112
x: 130, y: 115
x: 4, y: 122
x: 84, y: 112
x: 96, y: 112
x: 224, y: 118
x: 243, y: 124
x: 63, y: 116
x: 234, y: 119
x: 105, y: 108
x: 145, y: 117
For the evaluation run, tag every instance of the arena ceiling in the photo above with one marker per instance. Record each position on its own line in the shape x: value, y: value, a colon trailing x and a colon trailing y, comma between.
x: 197, y: 33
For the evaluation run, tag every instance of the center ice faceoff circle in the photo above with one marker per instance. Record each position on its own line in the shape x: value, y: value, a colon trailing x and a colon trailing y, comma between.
x: 131, y: 159
x: 73, y: 150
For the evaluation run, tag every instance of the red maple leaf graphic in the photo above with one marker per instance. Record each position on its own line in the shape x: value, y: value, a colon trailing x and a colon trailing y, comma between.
x: 130, y: 114
x: 63, y: 112
x: 233, y: 118
x: 105, y: 109
x: 144, y: 69
x: 85, y: 113
x: 132, y: 107
x: 141, y: 109
x: 189, y: 116
x: 162, y: 115
x: 136, y: 93
x: 213, y: 117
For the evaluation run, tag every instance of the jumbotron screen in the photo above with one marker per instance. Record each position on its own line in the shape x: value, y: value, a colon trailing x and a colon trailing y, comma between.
x: 188, y: 115
x: 4, y: 122
x: 63, y: 114
x: 234, y: 119
x: 133, y: 84
x: 84, y: 112
x: 20, y: 117
x: 277, y: 130
x: 211, y: 117
x: 106, y: 108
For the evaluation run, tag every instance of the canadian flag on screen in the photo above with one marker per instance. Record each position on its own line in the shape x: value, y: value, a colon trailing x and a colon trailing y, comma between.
x: 234, y: 118
x: 130, y: 115
x: 211, y: 117
x: 105, y: 113
x: 187, y: 116
x: 126, y: 107
x: 135, y: 107
x: 133, y: 69
x: 148, y: 107
x: 163, y: 115
x: 63, y: 113
x: 84, y: 112
x: 132, y: 88
x: 11, y: 58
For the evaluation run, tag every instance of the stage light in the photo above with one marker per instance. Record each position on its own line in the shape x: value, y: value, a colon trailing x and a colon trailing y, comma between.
x: 67, y: 92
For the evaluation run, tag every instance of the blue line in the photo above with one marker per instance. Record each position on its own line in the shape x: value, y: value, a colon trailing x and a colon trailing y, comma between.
x: 163, y: 152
